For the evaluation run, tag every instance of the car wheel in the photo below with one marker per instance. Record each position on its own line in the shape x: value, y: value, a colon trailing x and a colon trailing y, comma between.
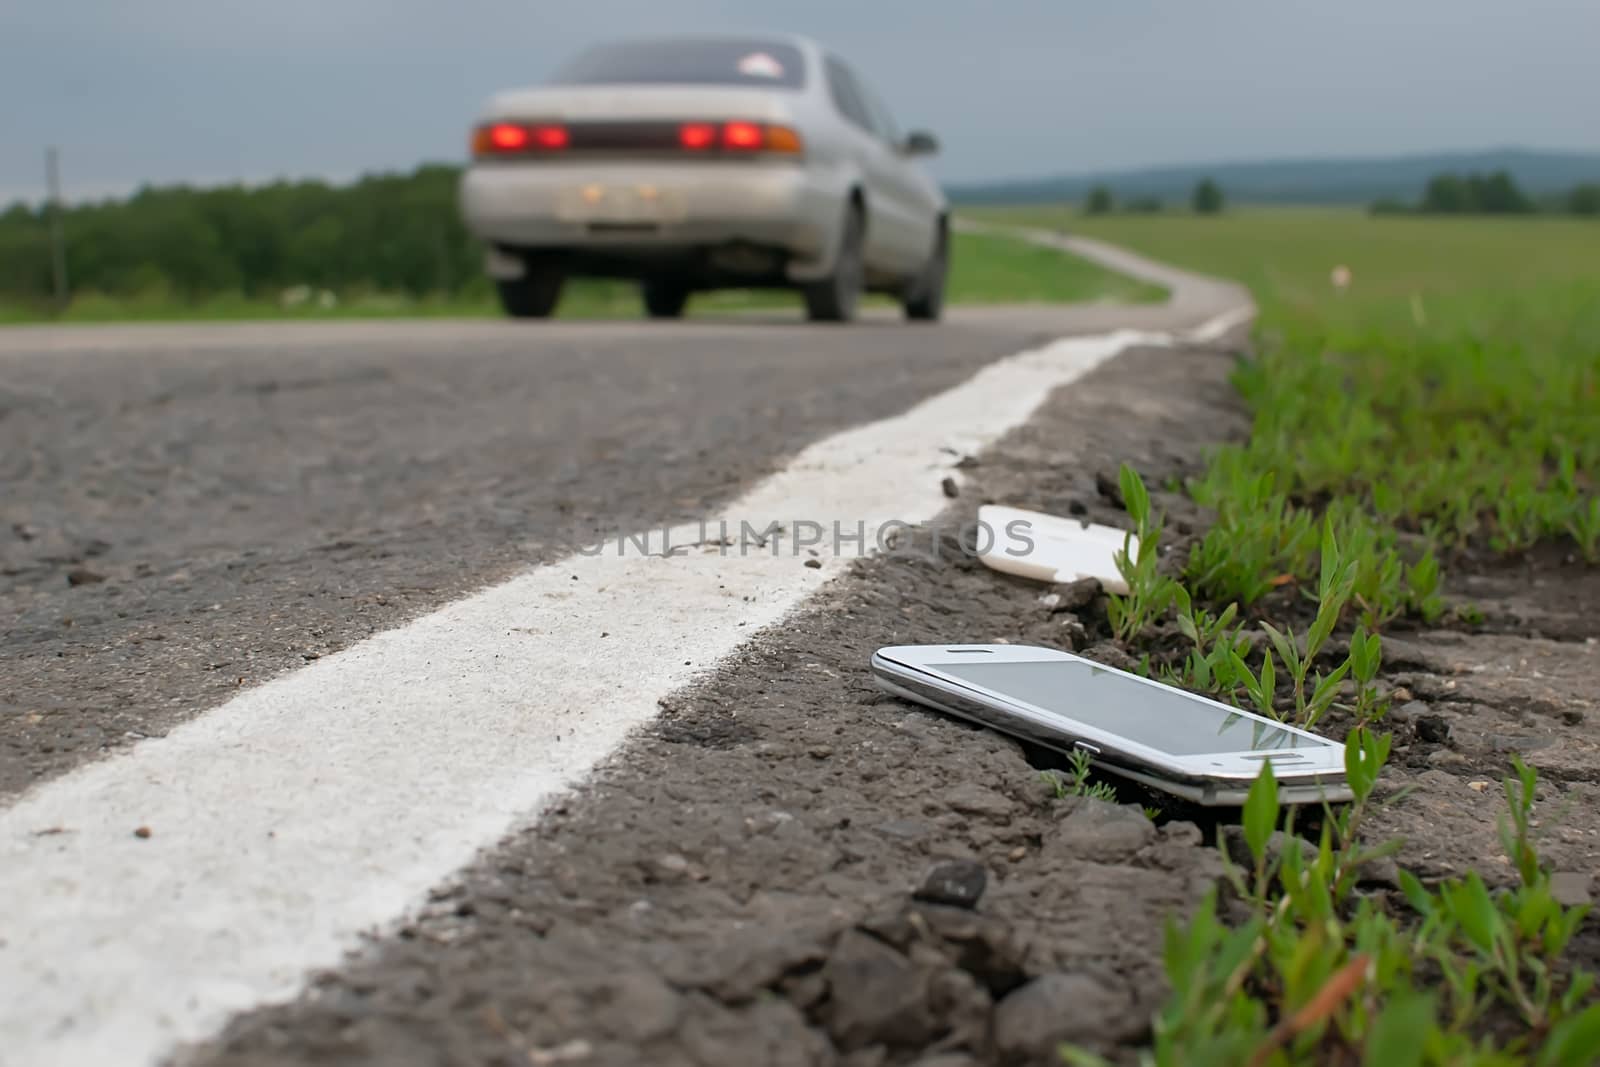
x: 664, y: 299
x: 532, y: 296
x: 924, y: 300
x: 836, y: 297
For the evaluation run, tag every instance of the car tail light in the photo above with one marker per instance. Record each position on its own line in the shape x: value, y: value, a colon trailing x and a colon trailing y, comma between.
x: 743, y: 136
x: 783, y: 139
x: 757, y: 137
x: 504, y: 137
x: 696, y: 136
x: 507, y: 138
x: 551, y: 137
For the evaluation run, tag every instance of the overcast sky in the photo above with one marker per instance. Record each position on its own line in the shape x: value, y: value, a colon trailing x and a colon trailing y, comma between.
x: 210, y: 90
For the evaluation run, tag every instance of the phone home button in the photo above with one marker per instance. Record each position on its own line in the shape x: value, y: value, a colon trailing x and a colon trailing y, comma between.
x: 1084, y: 746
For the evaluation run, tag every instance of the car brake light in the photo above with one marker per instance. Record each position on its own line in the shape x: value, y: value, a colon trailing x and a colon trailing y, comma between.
x: 697, y: 135
x: 504, y: 138
x: 551, y: 136
x: 745, y: 136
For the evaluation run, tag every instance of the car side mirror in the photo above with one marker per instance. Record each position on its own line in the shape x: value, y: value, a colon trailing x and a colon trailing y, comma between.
x: 920, y: 143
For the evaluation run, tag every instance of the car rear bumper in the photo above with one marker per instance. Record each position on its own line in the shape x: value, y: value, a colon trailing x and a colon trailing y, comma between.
x: 617, y: 212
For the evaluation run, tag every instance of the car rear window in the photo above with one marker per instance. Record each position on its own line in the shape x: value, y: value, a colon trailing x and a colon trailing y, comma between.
x: 720, y: 61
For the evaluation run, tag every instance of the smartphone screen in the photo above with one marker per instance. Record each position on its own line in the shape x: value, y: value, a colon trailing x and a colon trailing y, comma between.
x: 1157, y: 717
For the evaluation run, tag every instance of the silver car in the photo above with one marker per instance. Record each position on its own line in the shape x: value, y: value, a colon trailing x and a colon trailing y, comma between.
x: 700, y: 163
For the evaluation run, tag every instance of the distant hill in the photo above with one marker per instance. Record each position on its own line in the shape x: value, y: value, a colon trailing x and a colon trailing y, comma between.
x: 1299, y: 181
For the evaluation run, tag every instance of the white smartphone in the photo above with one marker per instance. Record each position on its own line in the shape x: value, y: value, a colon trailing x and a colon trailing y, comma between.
x: 1166, y: 738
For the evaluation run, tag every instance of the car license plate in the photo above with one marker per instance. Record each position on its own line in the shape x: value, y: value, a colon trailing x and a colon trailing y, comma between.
x: 621, y: 204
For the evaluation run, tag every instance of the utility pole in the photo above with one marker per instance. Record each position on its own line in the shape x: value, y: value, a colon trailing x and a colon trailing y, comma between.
x: 58, y: 246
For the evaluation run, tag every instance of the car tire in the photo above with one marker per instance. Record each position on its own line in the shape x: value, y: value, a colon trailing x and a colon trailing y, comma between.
x: 924, y: 299
x: 837, y: 297
x: 664, y: 299
x: 532, y: 296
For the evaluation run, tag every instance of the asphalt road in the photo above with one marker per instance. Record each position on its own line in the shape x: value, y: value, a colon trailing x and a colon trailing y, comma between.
x: 190, y: 512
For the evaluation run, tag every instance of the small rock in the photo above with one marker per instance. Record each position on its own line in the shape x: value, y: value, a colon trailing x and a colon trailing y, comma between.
x: 963, y: 1008
x: 804, y: 990
x: 1033, y: 1021
x: 876, y: 995
x: 985, y: 947
x: 1072, y: 633
x: 1433, y: 728
x: 768, y: 822
x: 641, y: 1006
x: 1108, y: 488
x: 1077, y: 507
x: 1111, y: 655
x: 84, y: 576
x: 1075, y: 595
x: 951, y: 489
x: 820, y: 751
x: 1407, y: 712
x: 1478, y: 786
x: 1100, y: 832
x: 1572, y: 716
x: 958, y: 883
x: 814, y: 564
x: 1570, y: 888
x: 1239, y: 852
x: 1400, y: 695
x: 142, y: 832
x: 670, y: 868
x: 1182, y: 833
x: 1050, y: 600
x: 972, y: 799
x: 1018, y: 854
x: 1379, y: 871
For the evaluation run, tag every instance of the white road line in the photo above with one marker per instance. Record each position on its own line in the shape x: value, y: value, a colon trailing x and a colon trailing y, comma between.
x: 324, y: 804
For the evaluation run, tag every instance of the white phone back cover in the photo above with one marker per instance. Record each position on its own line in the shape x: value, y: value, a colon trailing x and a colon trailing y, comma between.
x: 1063, y: 549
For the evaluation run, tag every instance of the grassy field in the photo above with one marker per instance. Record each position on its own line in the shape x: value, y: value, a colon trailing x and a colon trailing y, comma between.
x: 1435, y: 273
x: 1448, y: 389
x: 984, y: 270
x: 1442, y: 404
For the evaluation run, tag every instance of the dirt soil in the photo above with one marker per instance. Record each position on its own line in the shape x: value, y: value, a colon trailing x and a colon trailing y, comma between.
x: 791, y: 868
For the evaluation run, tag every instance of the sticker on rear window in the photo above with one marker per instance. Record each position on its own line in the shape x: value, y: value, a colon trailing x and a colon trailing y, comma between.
x: 760, y: 65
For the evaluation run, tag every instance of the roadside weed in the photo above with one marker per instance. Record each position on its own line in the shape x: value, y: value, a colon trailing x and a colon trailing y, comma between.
x: 1311, y: 968
x: 1422, y: 589
x: 1584, y: 526
x: 1219, y: 643
x: 1219, y: 663
x: 1078, y: 785
x: 1150, y: 593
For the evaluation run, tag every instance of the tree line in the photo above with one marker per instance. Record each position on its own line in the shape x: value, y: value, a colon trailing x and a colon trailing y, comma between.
x: 1206, y: 199
x: 1496, y: 193
x: 397, y: 233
